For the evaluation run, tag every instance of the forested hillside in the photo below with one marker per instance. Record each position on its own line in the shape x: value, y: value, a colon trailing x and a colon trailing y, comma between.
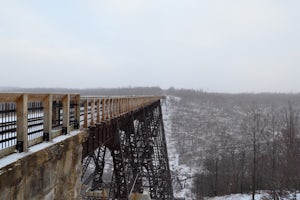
x: 236, y: 143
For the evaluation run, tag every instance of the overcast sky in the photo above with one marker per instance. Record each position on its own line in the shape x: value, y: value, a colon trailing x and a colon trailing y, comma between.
x: 215, y: 45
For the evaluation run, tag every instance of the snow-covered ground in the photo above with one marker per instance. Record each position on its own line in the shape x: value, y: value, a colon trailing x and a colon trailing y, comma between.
x: 261, y: 195
x: 182, y: 173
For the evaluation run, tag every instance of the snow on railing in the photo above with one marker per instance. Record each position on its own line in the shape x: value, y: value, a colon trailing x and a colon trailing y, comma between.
x: 29, y: 119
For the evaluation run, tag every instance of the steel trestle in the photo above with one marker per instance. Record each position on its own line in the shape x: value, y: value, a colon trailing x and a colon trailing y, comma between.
x: 137, y: 145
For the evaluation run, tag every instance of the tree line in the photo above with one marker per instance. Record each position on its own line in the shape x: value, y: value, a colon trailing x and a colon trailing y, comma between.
x: 265, y: 157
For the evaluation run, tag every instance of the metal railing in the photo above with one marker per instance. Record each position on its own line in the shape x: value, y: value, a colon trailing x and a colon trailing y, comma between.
x: 29, y: 119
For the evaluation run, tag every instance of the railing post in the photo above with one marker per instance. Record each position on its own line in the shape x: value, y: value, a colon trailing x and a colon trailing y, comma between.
x: 106, y: 109
x: 103, y: 109
x: 98, y: 110
x: 119, y: 106
x: 22, y: 123
x: 122, y: 105
x: 114, y: 107
x: 48, y: 118
x: 106, y: 106
x: 92, y: 111
x: 66, y: 114
x: 127, y: 105
x: 137, y: 102
x: 133, y: 103
x: 77, y: 112
x: 86, y: 113
x: 110, y: 108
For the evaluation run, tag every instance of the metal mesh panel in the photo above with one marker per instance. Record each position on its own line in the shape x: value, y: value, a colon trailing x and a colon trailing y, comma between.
x: 8, y: 118
x: 35, y: 120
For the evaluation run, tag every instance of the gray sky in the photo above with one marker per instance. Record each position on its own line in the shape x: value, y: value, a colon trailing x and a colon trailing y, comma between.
x: 215, y: 45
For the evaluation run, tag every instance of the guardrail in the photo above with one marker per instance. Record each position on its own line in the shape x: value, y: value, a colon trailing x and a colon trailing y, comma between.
x: 29, y: 119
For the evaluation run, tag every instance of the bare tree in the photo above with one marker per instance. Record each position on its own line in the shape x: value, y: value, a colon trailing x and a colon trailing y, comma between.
x: 290, y: 134
x: 254, y: 126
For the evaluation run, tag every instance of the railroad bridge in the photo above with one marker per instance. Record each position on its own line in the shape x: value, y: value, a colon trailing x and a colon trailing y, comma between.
x: 67, y: 146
